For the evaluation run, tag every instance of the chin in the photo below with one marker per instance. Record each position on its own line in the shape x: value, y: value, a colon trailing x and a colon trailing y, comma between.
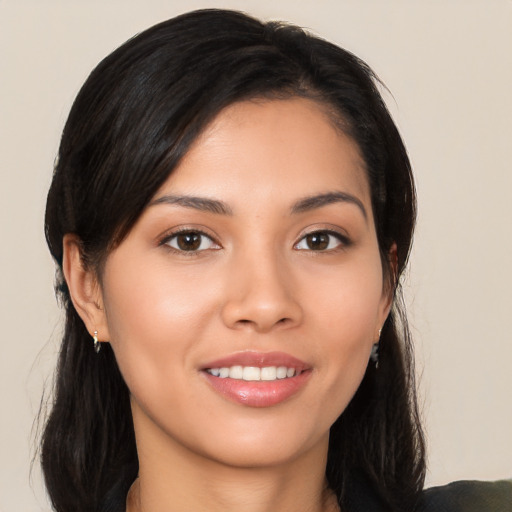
x: 263, y: 452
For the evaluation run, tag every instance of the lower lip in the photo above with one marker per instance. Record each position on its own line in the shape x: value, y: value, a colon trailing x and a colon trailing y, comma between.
x: 258, y: 393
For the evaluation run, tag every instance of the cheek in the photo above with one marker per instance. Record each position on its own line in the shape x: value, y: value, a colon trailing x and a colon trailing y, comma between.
x: 348, y: 301
x: 154, y: 320
x: 148, y: 301
x: 348, y: 310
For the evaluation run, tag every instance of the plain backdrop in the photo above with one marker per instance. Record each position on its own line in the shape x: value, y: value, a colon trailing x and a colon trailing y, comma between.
x: 448, y: 65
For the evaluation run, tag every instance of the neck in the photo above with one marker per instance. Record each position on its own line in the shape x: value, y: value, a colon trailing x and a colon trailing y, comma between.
x: 251, y: 492
x: 172, y: 478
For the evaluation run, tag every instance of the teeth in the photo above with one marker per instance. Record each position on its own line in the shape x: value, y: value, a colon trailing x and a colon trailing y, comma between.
x: 269, y: 373
x: 281, y: 372
x: 236, y: 372
x: 252, y: 373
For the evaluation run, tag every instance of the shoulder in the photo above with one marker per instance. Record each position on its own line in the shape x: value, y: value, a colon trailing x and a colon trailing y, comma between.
x: 468, y: 496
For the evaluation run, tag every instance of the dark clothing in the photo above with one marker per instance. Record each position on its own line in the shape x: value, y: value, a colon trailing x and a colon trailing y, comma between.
x: 469, y: 496
x: 463, y: 496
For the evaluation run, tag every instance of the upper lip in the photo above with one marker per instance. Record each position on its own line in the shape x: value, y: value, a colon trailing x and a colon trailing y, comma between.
x: 257, y: 359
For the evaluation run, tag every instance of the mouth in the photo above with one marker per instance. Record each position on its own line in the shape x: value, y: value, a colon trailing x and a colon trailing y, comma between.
x: 257, y: 379
x: 254, y: 373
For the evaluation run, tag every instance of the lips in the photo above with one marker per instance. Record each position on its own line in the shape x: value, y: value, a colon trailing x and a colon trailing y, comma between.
x: 257, y: 379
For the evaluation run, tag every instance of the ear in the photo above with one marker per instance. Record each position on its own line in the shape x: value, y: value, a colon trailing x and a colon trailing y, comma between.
x: 388, y: 288
x: 84, y: 288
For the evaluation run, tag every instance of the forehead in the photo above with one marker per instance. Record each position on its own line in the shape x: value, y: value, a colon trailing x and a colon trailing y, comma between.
x: 262, y: 150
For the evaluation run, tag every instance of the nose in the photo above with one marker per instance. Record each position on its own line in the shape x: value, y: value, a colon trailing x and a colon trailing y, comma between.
x: 261, y: 295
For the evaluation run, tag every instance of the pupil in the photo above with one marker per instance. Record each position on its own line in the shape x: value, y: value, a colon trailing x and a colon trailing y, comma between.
x: 189, y: 241
x: 318, y: 241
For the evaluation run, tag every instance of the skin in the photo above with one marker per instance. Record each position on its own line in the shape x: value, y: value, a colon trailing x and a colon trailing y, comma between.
x: 255, y: 284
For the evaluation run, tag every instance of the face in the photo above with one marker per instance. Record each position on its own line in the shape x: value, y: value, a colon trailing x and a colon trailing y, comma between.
x: 243, y: 305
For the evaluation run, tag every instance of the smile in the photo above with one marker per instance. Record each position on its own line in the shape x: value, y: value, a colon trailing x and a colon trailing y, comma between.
x: 257, y: 379
x: 254, y: 373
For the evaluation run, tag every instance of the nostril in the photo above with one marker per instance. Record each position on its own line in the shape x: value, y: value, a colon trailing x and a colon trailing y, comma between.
x: 260, y: 314
x: 281, y: 321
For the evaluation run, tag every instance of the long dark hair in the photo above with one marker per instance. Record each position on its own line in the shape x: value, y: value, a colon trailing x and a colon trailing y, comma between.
x: 131, y: 123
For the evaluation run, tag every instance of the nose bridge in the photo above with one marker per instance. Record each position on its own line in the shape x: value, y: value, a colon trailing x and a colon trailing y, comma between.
x: 261, y: 290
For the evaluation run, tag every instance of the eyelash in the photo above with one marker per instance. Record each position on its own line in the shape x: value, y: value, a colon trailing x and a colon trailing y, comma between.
x: 166, y: 241
x: 342, y: 241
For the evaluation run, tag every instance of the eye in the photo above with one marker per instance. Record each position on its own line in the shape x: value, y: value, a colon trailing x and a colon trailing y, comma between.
x: 190, y: 241
x: 322, y: 241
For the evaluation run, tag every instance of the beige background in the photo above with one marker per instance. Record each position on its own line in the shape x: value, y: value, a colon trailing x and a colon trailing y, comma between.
x: 449, y: 67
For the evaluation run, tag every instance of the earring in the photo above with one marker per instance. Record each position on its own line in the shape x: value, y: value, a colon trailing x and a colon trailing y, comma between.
x: 374, y: 356
x: 97, y: 345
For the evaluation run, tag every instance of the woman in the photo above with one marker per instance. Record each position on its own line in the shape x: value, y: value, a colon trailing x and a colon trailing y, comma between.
x: 231, y: 211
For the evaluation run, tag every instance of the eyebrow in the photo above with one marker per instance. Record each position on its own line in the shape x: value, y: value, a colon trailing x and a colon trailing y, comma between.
x: 219, y: 207
x: 198, y: 203
x: 317, y: 201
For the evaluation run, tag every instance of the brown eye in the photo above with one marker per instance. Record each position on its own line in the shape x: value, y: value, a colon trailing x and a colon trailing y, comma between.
x: 322, y: 241
x: 191, y: 241
x: 317, y: 241
x: 188, y: 241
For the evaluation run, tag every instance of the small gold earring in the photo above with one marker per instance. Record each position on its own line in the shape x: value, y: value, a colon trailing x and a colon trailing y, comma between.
x: 97, y: 345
